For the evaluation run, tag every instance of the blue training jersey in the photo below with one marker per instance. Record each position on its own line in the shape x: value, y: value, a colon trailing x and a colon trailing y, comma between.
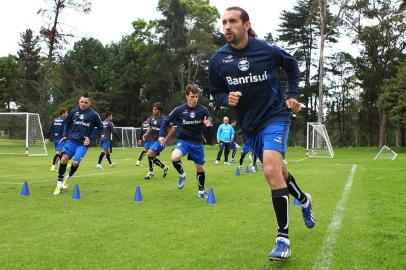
x: 254, y: 71
x: 189, y: 121
x: 80, y: 124
x: 56, y: 128
x: 225, y: 133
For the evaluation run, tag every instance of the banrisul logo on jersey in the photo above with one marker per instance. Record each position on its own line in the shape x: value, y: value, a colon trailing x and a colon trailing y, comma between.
x: 243, y: 64
x: 250, y: 78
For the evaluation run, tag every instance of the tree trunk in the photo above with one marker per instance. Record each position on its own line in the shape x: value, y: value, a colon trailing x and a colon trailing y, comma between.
x: 382, y: 129
x: 322, y: 6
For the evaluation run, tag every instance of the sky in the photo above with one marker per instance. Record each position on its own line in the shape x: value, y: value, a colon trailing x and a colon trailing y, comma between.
x: 109, y: 20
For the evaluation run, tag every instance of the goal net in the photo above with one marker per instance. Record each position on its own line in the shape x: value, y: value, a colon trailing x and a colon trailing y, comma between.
x: 386, y: 153
x: 21, y: 133
x: 128, y: 137
x: 318, y: 143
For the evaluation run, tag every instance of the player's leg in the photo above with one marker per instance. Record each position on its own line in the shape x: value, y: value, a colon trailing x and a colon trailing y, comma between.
x: 80, y: 153
x: 157, y: 148
x: 108, y: 155
x: 226, y: 153
x: 103, y: 152
x: 151, y: 157
x: 143, y: 153
x: 220, y: 152
x: 68, y: 150
x: 180, y: 150
x: 197, y: 155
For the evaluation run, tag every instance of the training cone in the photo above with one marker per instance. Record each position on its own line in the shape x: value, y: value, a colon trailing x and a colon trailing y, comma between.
x: 25, y: 191
x: 211, y: 199
x: 76, y: 193
x: 237, y: 172
x: 296, y: 202
x: 138, y: 195
x: 246, y: 169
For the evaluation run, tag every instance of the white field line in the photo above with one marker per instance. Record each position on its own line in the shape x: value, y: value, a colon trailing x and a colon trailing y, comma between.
x: 323, y: 260
x: 54, y: 179
x: 298, y: 160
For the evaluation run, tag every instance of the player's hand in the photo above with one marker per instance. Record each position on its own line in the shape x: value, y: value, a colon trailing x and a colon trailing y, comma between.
x: 207, y: 121
x: 293, y: 104
x: 233, y: 98
x: 162, y: 141
x: 86, y: 141
x: 46, y: 141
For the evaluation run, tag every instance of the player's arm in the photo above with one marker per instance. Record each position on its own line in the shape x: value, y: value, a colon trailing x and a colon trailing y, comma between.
x: 217, y: 85
x: 146, y: 133
x: 219, y: 131
x: 94, y: 130
x: 67, y: 124
x: 48, y: 135
x: 114, y: 132
x: 163, y: 130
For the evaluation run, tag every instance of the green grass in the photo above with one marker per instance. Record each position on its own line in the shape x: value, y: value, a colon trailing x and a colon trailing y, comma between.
x: 173, y: 229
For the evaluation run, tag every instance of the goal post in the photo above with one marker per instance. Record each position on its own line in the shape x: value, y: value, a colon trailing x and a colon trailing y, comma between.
x: 318, y: 142
x: 386, y: 153
x: 128, y: 137
x: 21, y: 133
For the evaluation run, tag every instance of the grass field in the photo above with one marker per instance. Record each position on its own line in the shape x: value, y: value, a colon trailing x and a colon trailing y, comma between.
x: 360, y: 224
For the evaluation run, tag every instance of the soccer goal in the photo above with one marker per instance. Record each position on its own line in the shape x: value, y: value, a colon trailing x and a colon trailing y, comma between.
x: 318, y: 143
x: 386, y: 153
x: 21, y: 133
x: 128, y: 137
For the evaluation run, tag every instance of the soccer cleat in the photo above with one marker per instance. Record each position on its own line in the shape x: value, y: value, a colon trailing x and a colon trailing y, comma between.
x: 233, y: 160
x: 113, y: 165
x: 58, y: 188
x: 138, y: 163
x: 202, y: 194
x: 307, y: 212
x: 53, y: 168
x: 281, y: 250
x: 254, y: 169
x: 226, y: 163
x: 181, y: 182
x: 99, y: 166
x: 216, y: 162
x: 240, y: 167
x: 65, y: 182
x: 166, y: 169
x: 149, y: 176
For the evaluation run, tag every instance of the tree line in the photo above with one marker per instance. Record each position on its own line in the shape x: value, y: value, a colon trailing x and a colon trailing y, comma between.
x: 364, y: 95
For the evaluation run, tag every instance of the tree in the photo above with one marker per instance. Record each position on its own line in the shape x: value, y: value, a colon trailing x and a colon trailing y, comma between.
x: 10, y: 84
x: 55, y: 38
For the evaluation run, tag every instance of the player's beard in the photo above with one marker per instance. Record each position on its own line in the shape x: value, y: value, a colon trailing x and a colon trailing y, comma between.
x: 233, y: 38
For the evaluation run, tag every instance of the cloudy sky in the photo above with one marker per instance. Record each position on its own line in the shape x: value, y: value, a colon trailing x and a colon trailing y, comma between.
x: 110, y: 20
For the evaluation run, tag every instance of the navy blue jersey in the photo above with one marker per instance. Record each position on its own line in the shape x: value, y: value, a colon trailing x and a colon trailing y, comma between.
x: 254, y: 72
x: 56, y: 128
x: 189, y: 121
x: 144, y: 128
x: 154, y: 123
x: 108, y: 131
x: 81, y: 124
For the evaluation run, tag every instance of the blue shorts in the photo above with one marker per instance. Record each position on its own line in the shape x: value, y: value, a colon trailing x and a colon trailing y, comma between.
x: 195, y: 151
x: 233, y: 146
x: 273, y: 137
x: 147, y: 144
x: 59, y: 145
x: 77, y: 150
x: 245, y: 149
x: 105, y: 144
x: 156, y: 147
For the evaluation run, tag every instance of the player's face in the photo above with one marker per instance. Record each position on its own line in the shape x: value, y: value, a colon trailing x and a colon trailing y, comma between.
x: 225, y: 120
x: 192, y: 99
x: 235, y: 31
x: 65, y: 114
x: 156, y: 111
x: 84, y: 103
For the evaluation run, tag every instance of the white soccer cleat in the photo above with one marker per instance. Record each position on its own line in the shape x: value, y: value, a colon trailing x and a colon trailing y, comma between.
x: 216, y: 162
x: 138, y: 163
x: 226, y: 163
x: 99, y: 166
x: 113, y: 165
x: 65, y: 183
x: 58, y: 188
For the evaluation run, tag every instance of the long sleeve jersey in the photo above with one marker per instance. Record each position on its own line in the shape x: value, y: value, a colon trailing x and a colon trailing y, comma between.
x: 55, y: 129
x: 108, y: 131
x: 189, y: 122
x: 254, y: 72
x: 80, y: 124
x: 154, y: 123
x: 225, y: 133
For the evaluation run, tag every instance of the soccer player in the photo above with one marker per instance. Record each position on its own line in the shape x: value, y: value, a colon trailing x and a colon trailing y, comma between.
x: 225, y: 136
x: 190, y: 118
x: 155, y: 148
x: 245, y: 150
x: 81, y: 125
x: 244, y: 74
x: 147, y: 141
x: 106, y: 140
x: 233, y: 144
x: 56, y: 130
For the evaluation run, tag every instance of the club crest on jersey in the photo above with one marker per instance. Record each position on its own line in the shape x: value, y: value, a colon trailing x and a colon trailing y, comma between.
x: 155, y: 122
x: 228, y: 59
x: 192, y: 115
x: 81, y: 117
x: 243, y: 64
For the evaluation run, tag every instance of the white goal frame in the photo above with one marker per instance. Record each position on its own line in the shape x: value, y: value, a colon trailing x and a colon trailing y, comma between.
x: 28, y: 136
x: 385, y: 155
x: 129, y: 135
x: 318, y: 145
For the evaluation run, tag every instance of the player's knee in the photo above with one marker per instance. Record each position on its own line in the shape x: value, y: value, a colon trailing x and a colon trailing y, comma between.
x: 75, y: 163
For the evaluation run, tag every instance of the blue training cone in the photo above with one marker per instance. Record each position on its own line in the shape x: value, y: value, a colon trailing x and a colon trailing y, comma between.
x: 247, y: 170
x: 296, y: 202
x: 237, y: 171
x: 25, y: 191
x: 76, y: 193
x: 211, y: 199
x: 138, y: 195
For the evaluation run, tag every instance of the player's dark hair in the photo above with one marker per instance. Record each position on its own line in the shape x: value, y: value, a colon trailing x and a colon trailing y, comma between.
x: 107, y: 115
x: 159, y: 106
x: 62, y: 111
x: 192, y: 88
x: 244, y: 18
x: 85, y: 95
